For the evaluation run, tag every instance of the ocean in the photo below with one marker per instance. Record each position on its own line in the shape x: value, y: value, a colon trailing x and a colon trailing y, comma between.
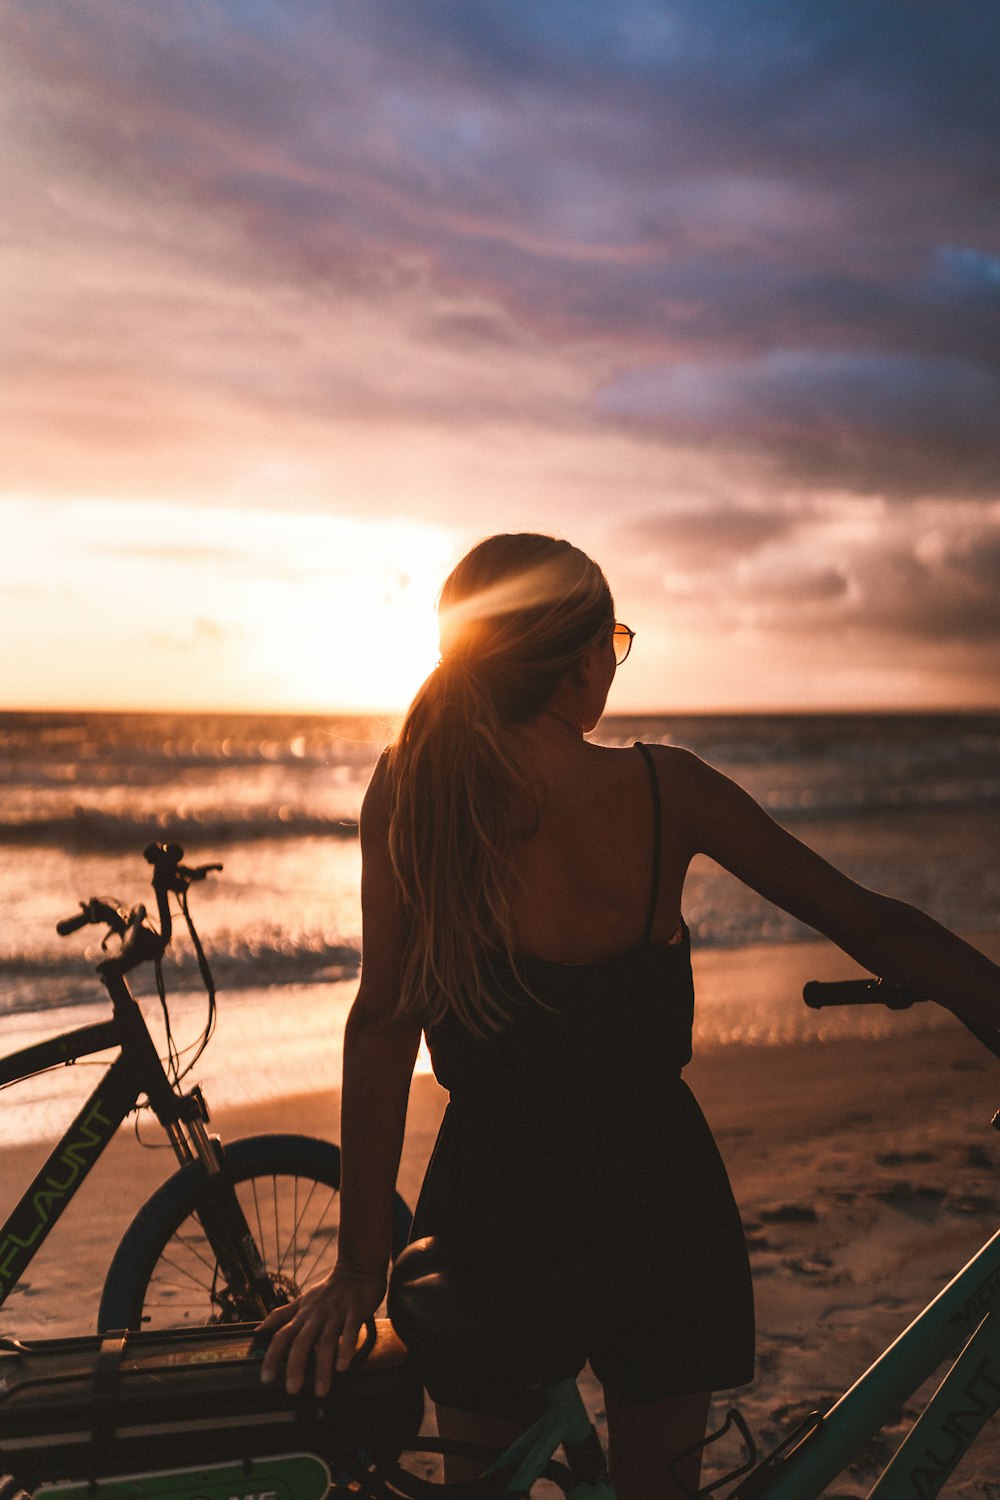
x: 906, y: 803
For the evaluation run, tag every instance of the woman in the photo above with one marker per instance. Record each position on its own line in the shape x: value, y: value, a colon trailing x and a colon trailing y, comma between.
x: 521, y: 892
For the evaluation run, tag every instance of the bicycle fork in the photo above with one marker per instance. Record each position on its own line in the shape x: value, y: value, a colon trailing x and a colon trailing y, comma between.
x: 250, y: 1291
x: 184, y: 1117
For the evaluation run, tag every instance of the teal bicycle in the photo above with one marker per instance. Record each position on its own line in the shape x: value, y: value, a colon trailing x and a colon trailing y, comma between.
x: 357, y: 1441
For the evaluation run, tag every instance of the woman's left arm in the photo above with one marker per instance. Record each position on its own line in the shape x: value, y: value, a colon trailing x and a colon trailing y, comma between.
x: 888, y: 937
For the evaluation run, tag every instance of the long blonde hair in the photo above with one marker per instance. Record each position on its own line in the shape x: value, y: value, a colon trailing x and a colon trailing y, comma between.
x: 515, y: 614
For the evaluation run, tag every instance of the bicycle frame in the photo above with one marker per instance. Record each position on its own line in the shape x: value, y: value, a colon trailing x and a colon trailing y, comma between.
x: 565, y: 1423
x: 965, y: 1310
x: 137, y: 1070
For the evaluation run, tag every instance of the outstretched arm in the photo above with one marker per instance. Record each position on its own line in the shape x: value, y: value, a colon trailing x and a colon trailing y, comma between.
x: 379, y: 1053
x: 887, y: 937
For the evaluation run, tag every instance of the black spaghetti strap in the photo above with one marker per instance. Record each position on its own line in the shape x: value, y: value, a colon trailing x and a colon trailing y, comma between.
x: 654, y: 892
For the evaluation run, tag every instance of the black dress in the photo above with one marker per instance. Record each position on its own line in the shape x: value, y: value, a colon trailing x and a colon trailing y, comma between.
x: 571, y: 1131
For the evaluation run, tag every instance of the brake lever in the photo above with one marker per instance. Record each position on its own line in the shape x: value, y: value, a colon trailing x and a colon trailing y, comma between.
x: 140, y: 943
x: 134, y: 918
x: 198, y: 872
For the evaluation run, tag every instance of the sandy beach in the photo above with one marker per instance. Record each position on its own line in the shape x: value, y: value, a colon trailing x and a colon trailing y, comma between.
x: 865, y: 1172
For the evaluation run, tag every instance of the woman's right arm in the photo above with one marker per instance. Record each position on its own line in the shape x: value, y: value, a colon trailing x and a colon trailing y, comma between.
x: 888, y: 937
x: 379, y: 1053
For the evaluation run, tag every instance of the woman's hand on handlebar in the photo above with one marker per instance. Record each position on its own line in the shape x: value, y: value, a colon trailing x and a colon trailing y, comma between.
x: 327, y: 1319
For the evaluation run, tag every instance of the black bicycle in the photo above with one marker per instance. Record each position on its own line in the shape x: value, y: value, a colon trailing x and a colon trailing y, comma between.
x: 239, y: 1228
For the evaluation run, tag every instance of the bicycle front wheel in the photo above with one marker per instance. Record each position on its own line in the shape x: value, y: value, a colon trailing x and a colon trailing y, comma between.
x: 165, y: 1273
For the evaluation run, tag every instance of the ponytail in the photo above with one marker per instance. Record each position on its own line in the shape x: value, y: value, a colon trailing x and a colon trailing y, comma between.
x: 516, y: 614
x: 453, y: 786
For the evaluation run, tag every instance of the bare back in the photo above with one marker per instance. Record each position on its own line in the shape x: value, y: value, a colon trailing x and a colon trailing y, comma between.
x: 587, y: 868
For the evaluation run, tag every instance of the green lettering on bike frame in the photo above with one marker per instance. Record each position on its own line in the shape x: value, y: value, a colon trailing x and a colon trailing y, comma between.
x: 63, y: 1173
x: 805, y: 1471
x: 959, y: 1409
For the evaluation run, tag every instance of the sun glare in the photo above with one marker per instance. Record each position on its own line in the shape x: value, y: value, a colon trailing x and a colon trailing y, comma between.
x: 363, y: 640
x: 139, y: 605
x: 340, y: 614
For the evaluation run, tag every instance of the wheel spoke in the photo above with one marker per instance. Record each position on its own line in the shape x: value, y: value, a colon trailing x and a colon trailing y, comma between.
x: 277, y: 1217
x: 293, y: 1244
x: 203, y: 1286
x: 192, y: 1245
x: 289, y: 1200
x: 294, y: 1241
x: 292, y: 1247
x: 324, y: 1244
x: 261, y: 1246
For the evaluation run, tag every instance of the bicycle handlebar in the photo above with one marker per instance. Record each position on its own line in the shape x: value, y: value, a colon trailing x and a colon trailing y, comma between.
x: 166, y: 862
x: 168, y: 875
x: 141, y: 944
x: 820, y: 993
x: 71, y: 924
x: 97, y: 911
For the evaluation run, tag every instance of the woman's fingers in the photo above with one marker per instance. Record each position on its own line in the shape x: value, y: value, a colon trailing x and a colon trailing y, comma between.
x: 348, y: 1341
x: 277, y: 1317
x: 326, y: 1320
x: 301, y: 1347
x: 282, y: 1334
x: 326, y: 1351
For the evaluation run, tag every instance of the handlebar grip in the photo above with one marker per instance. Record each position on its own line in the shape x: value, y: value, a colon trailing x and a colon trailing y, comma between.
x: 72, y: 924
x: 819, y: 993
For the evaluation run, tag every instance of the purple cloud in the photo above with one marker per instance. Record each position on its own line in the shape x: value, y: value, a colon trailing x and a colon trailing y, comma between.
x: 551, y: 253
x: 870, y: 421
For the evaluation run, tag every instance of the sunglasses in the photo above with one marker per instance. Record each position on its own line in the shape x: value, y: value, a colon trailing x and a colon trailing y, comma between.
x: 621, y: 640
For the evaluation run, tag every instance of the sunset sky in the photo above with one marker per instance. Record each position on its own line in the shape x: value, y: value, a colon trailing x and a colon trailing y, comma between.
x: 301, y: 298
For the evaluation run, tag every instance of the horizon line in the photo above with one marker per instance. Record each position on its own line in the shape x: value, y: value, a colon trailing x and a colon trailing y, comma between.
x: 759, y: 710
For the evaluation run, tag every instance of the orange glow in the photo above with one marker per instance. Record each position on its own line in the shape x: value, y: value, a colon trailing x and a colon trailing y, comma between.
x: 147, y: 605
x: 168, y: 606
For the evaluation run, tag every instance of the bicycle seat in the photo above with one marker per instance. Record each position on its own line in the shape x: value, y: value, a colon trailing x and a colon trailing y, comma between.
x: 474, y: 1322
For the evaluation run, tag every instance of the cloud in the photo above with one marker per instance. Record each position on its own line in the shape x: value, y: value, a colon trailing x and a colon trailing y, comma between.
x: 699, y: 537
x: 727, y: 274
x: 870, y: 421
x: 840, y: 567
x: 944, y: 588
x: 664, y: 150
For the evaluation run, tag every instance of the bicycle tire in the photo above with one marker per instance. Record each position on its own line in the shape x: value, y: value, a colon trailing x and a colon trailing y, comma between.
x: 164, y: 1273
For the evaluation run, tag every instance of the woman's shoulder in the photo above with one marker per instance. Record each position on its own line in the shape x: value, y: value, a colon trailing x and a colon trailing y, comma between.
x: 675, y: 763
x: 690, y: 788
x: 676, y: 768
